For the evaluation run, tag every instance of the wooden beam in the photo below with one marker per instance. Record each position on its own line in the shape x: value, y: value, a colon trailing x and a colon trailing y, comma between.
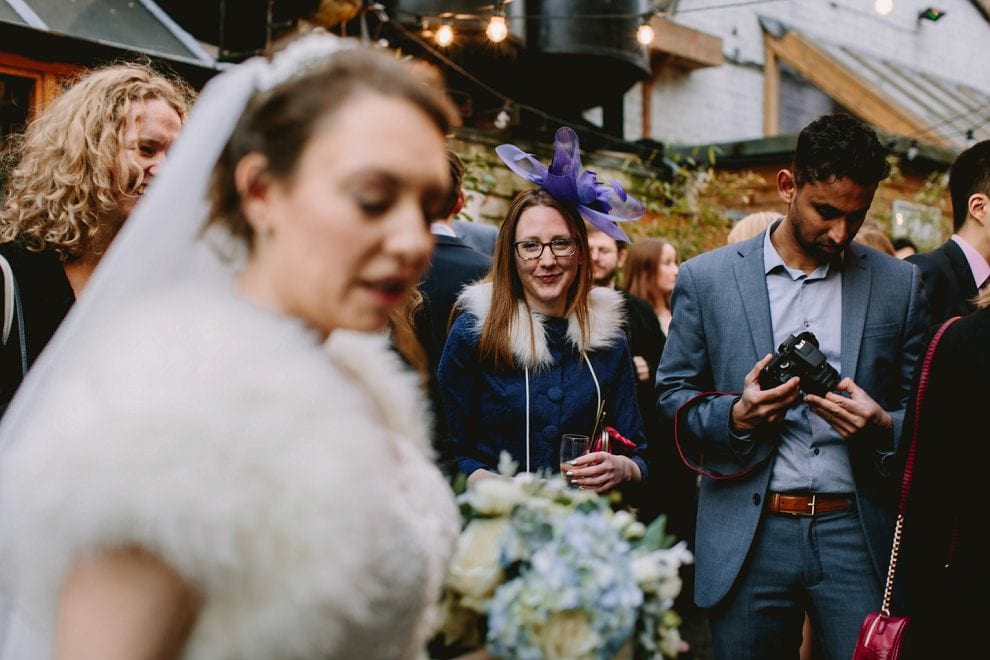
x: 843, y: 85
x: 690, y: 48
x: 48, y: 77
x: 646, y: 108
x: 771, y: 90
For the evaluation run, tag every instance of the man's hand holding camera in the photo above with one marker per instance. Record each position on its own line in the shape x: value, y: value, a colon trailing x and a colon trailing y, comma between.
x: 774, y: 384
x: 758, y: 405
x: 851, y: 413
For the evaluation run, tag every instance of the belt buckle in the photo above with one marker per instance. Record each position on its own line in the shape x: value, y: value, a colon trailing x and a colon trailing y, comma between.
x: 814, y: 499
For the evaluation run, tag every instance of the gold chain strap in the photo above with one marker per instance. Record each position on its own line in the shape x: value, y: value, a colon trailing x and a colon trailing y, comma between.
x: 888, y: 588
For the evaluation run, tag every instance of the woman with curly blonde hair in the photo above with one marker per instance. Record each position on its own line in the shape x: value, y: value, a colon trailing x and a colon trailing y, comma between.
x: 79, y: 169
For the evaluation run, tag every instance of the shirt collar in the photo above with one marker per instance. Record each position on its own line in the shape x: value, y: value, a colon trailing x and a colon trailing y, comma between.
x: 772, y: 259
x: 978, y: 266
x: 442, y: 229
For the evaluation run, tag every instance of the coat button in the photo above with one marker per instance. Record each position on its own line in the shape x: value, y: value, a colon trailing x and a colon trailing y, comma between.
x: 756, y: 499
x: 555, y: 394
x: 550, y: 432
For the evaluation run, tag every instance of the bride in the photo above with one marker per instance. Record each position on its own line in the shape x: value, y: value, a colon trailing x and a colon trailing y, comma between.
x: 186, y: 472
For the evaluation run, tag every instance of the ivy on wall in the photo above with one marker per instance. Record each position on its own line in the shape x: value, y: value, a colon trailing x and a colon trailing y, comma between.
x: 694, y: 207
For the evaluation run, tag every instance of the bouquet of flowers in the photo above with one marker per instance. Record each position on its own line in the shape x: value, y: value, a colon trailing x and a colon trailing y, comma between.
x: 544, y: 571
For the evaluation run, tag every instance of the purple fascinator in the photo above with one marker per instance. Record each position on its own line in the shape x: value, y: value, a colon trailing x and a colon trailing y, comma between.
x: 603, y: 205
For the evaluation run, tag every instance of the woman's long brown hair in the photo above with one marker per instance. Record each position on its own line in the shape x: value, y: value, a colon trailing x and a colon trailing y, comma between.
x: 495, y: 346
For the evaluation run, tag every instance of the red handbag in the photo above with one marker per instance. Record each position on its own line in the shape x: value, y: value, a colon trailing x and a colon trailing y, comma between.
x: 882, y: 635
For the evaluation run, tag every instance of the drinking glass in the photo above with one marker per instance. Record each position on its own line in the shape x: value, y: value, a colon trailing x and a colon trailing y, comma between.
x: 572, y: 445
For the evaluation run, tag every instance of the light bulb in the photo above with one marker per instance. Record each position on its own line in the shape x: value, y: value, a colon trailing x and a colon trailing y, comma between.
x: 503, y: 119
x: 445, y: 35
x: 497, y: 30
x: 883, y: 7
x: 645, y: 34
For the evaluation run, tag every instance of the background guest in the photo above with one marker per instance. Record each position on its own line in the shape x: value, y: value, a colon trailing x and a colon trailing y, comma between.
x: 955, y: 271
x: 904, y: 247
x: 650, y: 272
x: 642, y: 326
x: 453, y: 265
x: 751, y: 225
x: 942, y: 571
x: 536, y: 350
x: 477, y: 235
x: 876, y: 238
x: 81, y: 166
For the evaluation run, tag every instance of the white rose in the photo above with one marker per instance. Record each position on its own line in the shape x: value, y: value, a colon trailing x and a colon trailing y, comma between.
x: 474, y: 569
x: 622, y: 519
x: 494, y: 497
x: 670, y: 587
x: 647, y: 572
x: 567, y: 636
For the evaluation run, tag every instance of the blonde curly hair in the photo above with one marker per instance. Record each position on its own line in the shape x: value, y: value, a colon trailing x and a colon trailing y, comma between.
x: 65, y: 178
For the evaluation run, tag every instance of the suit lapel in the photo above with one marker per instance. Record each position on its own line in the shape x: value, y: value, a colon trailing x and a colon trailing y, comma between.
x: 752, y: 285
x: 856, y: 278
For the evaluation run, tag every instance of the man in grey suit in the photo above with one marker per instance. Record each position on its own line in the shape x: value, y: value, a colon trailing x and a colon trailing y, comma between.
x: 954, y: 272
x: 798, y: 497
x: 477, y: 235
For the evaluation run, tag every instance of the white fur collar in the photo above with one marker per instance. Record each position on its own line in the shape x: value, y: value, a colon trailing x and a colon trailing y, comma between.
x: 605, y: 319
x: 392, y: 386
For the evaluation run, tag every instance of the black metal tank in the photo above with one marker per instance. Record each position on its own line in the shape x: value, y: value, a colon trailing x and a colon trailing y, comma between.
x: 570, y: 55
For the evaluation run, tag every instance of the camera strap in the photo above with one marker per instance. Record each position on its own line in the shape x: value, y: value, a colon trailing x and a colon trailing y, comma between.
x: 698, y: 465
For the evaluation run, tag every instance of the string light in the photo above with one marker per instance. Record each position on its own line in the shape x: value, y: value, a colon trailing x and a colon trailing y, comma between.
x: 645, y: 34
x: 883, y: 7
x: 503, y: 118
x: 444, y: 36
x: 497, y: 30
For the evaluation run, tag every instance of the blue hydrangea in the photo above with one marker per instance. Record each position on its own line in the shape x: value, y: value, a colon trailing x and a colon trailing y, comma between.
x: 582, y: 565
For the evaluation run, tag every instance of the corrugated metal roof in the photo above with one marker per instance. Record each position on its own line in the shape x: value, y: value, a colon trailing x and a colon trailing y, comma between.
x: 948, y: 112
x: 951, y: 110
x: 136, y: 25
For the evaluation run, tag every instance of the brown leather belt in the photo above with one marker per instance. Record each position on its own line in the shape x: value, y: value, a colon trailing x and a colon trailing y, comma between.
x: 795, y: 504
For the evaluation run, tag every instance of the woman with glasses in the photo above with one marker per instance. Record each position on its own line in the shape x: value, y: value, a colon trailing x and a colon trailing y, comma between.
x: 535, y: 350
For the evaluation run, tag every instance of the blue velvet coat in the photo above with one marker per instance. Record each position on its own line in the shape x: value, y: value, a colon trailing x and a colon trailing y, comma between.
x: 486, y: 410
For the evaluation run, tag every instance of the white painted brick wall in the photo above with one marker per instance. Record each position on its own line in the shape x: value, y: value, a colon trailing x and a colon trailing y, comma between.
x: 726, y: 103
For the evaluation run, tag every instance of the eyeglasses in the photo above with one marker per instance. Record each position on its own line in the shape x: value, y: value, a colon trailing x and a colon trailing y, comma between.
x: 559, y: 247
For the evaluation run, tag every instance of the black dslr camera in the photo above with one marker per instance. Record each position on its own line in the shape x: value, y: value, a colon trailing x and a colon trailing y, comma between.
x: 799, y: 356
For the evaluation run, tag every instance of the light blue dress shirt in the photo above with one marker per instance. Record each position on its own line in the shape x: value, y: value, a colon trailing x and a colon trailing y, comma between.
x: 812, y: 456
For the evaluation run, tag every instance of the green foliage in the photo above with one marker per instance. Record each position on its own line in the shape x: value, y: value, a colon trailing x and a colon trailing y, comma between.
x: 933, y: 193
x: 656, y: 537
x: 690, y: 210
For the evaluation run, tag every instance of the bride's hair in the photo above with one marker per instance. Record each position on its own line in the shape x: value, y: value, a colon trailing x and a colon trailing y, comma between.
x: 280, y: 120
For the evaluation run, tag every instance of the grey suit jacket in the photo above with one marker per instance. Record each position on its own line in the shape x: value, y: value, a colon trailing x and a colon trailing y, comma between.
x: 721, y: 327
x: 478, y: 235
